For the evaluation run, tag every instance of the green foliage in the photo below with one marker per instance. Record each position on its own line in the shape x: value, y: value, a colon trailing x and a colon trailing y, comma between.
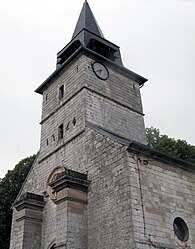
x: 176, y: 148
x: 9, y: 188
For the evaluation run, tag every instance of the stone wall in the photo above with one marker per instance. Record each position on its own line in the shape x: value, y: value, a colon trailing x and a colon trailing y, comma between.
x: 114, y: 104
x: 108, y: 209
x: 114, y: 118
x: 160, y: 193
x: 132, y: 199
x: 72, y: 116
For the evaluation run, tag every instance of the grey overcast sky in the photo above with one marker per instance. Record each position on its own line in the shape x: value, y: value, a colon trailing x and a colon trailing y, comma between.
x: 157, y: 40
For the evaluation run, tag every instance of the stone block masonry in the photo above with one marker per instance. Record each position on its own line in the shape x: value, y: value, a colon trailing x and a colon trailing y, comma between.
x: 95, y: 184
x: 160, y: 193
x: 108, y: 208
x: 132, y: 199
x: 114, y: 104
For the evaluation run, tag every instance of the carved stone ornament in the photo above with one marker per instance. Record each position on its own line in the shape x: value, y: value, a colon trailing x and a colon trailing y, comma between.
x: 53, y: 177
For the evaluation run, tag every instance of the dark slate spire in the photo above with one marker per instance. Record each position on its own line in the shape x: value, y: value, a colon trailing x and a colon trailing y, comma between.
x: 88, y: 38
x: 87, y: 21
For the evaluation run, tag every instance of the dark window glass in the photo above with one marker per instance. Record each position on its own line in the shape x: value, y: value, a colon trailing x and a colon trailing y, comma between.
x: 61, y: 92
x: 60, y: 132
x: 181, y: 229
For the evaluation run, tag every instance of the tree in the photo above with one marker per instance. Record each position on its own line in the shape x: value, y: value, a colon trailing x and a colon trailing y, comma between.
x: 176, y: 148
x: 10, y: 186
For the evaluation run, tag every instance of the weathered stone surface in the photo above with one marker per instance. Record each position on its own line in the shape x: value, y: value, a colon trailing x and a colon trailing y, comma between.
x: 160, y: 193
x: 28, y: 221
x: 114, y: 105
x: 132, y: 199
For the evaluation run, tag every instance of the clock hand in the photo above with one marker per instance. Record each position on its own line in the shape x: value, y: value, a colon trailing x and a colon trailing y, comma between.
x: 100, y: 70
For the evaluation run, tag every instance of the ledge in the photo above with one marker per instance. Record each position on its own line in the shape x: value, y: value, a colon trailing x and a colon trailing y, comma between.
x: 70, y: 179
x: 30, y: 201
x: 143, y: 149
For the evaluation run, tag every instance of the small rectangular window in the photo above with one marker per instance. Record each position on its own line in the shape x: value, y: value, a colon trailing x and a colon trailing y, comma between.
x: 60, y: 132
x: 61, y: 92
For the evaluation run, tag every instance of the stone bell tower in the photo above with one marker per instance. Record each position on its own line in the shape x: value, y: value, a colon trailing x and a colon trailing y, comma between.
x: 74, y: 194
x: 95, y: 184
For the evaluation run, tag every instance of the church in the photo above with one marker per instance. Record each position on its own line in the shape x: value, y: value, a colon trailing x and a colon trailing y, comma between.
x: 95, y: 183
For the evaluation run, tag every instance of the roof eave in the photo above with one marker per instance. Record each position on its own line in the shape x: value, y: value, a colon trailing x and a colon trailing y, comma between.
x: 142, y: 149
x: 135, y: 77
x: 147, y: 151
x: 42, y: 87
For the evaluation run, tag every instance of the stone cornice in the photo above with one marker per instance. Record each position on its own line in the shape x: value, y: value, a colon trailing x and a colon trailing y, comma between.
x: 30, y: 201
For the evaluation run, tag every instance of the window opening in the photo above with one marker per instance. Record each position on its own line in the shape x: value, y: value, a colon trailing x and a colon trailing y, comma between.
x: 67, y: 126
x: 74, y: 121
x: 61, y: 92
x: 181, y: 229
x: 60, y: 132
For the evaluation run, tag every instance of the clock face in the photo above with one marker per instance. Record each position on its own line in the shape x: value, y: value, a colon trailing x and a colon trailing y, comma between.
x: 100, y: 70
